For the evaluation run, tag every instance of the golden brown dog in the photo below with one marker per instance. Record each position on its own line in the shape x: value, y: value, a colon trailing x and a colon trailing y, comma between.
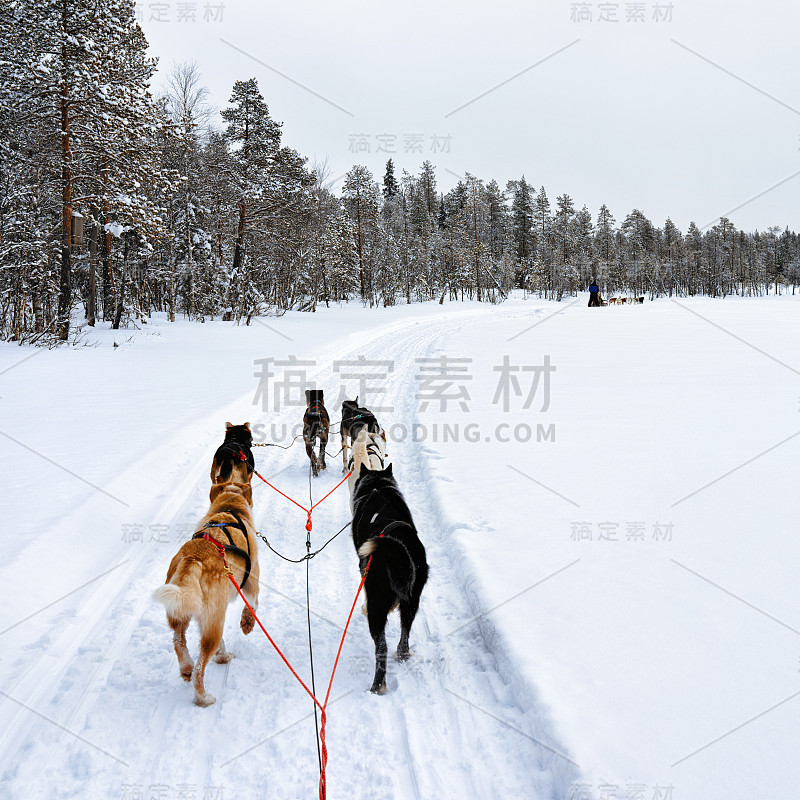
x: 197, y: 584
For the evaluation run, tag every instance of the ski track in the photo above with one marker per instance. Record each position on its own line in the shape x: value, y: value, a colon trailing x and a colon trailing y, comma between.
x: 110, y: 668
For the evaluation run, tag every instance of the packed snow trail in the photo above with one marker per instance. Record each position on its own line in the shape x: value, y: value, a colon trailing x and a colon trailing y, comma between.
x: 454, y: 722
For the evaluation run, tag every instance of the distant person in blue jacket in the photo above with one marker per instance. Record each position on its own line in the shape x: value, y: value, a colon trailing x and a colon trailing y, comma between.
x: 594, y: 295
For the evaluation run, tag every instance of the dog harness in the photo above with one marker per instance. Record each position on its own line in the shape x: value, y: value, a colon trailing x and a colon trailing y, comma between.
x: 237, y: 450
x: 363, y: 562
x: 364, y: 418
x: 230, y: 547
x: 374, y: 450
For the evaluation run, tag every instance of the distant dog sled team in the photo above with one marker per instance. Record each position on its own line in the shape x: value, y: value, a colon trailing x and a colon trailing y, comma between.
x: 391, y: 556
x: 595, y: 298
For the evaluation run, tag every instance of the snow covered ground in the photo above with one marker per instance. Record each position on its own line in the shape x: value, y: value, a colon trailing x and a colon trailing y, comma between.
x: 611, y: 611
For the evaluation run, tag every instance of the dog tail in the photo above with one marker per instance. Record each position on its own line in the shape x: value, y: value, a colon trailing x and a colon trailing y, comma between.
x: 182, y: 600
x: 225, y: 468
x: 392, y: 555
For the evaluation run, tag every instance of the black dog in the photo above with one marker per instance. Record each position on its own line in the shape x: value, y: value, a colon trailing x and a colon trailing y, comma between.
x: 316, y: 423
x: 354, y: 418
x: 234, y: 460
x: 384, y: 532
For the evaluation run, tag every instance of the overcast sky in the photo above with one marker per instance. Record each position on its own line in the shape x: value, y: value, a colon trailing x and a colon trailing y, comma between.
x: 689, y: 112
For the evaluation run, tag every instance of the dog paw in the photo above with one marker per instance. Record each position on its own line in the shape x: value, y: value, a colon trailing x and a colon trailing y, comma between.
x: 204, y: 700
x: 380, y: 689
x: 248, y: 622
x: 223, y: 658
x: 186, y: 672
x: 403, y: 655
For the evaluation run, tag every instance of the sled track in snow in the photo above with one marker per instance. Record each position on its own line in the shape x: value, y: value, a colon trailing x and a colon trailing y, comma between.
x: 457, y: 719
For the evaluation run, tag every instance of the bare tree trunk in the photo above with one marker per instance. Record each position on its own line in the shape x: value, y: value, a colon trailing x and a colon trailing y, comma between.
x: 65, y: 282
x: 108, y: 270
x: 475, y: 245
x: 121, y: 293
x: 91, y: 303
x: 238, y: 252
x: 190, y: 259
x: 38, y: 313
x: 173, y: 287
x: 219, y: 238
x: 360, y: 244
x: 19, y: 306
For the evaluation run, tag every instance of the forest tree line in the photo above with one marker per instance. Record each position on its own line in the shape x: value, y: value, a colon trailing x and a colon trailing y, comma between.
x: 116, y: 202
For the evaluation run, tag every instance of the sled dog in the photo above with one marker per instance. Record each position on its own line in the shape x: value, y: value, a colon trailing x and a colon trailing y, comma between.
x: 197, y: 585
x: 233, y: 461
x: 354, y: 418
x: 389, y: 548
x: 372, y: 452
x: 316, y: 423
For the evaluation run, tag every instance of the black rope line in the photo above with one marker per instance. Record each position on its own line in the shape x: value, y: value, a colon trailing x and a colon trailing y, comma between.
x: 308, y: 616
x: 291, y: 444
x: 306, y: 557
x: 272, y: 444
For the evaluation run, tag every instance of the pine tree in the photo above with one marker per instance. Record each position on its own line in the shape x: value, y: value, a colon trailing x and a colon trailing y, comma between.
x: 604, y: 243
x: 639, y: 238
x: 254, y: 139
x: 498, y: 219
x: 583, y: 258
x: 427, y: 184
x: 189, y: 111
x: 360, y: 193
x: 542, y: 222
x: 522, y: 222
x: 694, y: 247
x: 390, y: 186
x: 672, y: 256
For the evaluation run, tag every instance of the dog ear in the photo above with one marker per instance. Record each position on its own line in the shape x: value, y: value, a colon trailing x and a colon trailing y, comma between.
x: 362, y: 469
x: 356, y: 400
x: 247, y: 425
x: 388, y: 470
x: 383, y: 434
x: 308, y: 395
x: 248, y: 494
x: 228, y: 425
x: 215, y: 492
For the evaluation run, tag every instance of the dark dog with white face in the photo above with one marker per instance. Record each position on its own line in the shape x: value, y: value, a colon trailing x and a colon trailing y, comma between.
x: 354, y: 420
x: 389, y: 547
x: 316, y: 424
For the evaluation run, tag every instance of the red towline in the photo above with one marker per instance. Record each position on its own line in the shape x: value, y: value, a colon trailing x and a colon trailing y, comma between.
x: 292, y: 500
x: 321, y: 706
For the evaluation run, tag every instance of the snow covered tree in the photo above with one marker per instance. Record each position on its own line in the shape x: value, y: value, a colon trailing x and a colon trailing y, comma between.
x: 390, y: 185
x: 360, y: 195
x: 427, y: 185
x: 254, y: 139
x: 542, y: 223
x: 187, y: 106
x: 81, y: 74
x: 498, y: 220
x: 604, y: 245
x: 522, y: 220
